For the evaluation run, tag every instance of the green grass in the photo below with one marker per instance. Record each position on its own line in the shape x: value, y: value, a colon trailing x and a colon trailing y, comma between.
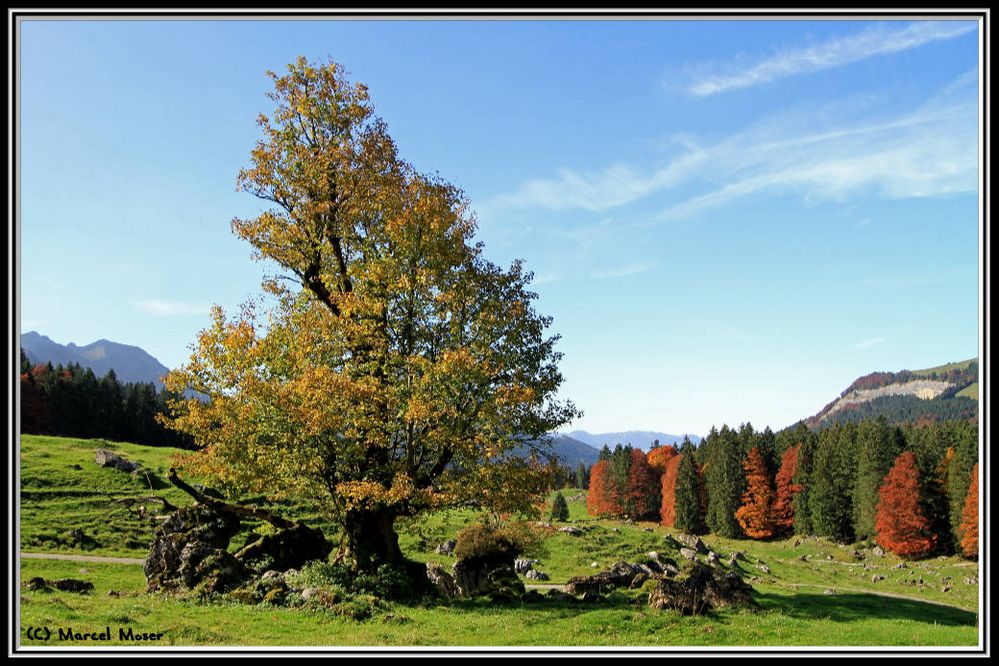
x: 945, y: 368
x: 969, y: 392
x: 623, y: 619
x: 63, y: 488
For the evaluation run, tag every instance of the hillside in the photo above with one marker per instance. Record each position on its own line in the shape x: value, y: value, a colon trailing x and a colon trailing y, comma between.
x: 947, y: 391
x: 569, y: 451
x: 130, y: 363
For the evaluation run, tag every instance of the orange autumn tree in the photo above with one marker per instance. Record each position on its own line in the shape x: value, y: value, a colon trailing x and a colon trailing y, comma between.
x: 783, y: 510
x: 601, y: 500
x: 395, y: 369
x: 900, y: 522
x: 659, y: 457
x: 667, y: 511
x: 755, y: 516
x: 640, y: 493
x: 969, y: 518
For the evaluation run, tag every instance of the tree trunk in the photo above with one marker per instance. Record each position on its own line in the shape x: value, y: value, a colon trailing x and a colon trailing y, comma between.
x: 371, y: 539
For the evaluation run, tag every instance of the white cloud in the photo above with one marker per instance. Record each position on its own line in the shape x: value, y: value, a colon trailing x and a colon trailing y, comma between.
x: 620, y: 271
x: 867, y: 344
x: 929, y: 152
x: 161, y: 308
x: 871, y: 42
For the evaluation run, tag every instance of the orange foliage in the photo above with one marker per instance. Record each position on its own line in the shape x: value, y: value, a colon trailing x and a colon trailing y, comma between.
x: 602, y: 498
x: 969, y: 518
x: 783, y: 511
x: 756, y: 513
x: 667, y: 512
x: 900, y: 523
x: 640, y: 489
x: 659, y: 457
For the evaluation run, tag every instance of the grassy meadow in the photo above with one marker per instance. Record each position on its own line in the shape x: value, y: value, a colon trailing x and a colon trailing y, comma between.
x: 815, y: 592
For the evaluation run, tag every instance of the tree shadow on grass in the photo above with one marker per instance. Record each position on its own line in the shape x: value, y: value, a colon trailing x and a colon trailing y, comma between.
x: 853, y: 607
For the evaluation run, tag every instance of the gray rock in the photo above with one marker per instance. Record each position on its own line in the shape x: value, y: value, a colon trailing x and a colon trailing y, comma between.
x: 901, y: 565
x: 106, y: 458
x: 878, y: 551
x: 829, y: 592
x: 670, y: 570
x: 877, y: 578
x: 692, y: 541
x: 572, y: 531
x: 712, y: 557
x: 688, y: 553
x: 704, y: 589
x: 971, y: 580
x: 447, y: 547
x: 310, y: 592
x: 764, y: 568
x: 523, y: 566
x: 653, y: 555
x: 439, y: 578
x: 272, y: 576
x: 534, y: 574
x: 594, y: 565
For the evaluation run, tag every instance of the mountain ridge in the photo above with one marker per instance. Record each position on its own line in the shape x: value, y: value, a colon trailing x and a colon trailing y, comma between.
x: 130, y: 363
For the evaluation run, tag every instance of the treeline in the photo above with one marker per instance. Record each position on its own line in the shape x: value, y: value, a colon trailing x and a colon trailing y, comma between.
x: 961, y: 377
x: 909, y: 409
x: 70, y: 401
x: 908, y: 488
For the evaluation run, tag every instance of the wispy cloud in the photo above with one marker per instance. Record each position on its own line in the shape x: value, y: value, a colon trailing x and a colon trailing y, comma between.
x: 867, y: 344
x: 620, y: 271
x: 928, y: 152
x: 161, y: 308
x: 878, y: 40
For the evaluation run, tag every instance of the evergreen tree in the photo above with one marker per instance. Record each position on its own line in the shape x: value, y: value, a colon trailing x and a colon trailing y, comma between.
x: 581, y: 480
x: 964, y: 438
x: 830, y: 497
x: 689, y: 497
x: 878, y: 444
x: 605, y: 453
x: 560, y: 508
x: 900, y: 522
x: 722, y: 460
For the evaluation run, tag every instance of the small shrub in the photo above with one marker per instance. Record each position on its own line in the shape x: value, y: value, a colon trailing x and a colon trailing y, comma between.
x: 494, y: 542
x: 560, y: 508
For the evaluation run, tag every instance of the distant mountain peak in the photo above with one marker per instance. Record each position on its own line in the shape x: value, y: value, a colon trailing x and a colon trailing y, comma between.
x: 129, y: 362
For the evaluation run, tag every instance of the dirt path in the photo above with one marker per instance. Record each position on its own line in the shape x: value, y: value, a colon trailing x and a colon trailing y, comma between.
x: 83, y: 558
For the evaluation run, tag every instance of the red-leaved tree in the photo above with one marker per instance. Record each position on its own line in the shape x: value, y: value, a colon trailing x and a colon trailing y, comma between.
x: 900, y: 522
x: 755, y: 516
x: 659, y: 457
x: 667, y: 511
x: 783, y: 511
x: 602, y: 500
x: 969, y: 518
x: 640, y: 491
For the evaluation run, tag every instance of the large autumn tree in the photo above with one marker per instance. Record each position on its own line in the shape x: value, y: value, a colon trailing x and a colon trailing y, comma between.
x: 395, y: 368
x: 755, y: 515
x: 900, y: 522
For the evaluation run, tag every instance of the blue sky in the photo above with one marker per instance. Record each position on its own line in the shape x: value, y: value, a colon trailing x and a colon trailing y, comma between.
x: 728, y: 220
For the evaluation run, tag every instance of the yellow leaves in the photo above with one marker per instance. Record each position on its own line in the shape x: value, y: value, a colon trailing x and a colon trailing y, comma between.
x: 370, y: 494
